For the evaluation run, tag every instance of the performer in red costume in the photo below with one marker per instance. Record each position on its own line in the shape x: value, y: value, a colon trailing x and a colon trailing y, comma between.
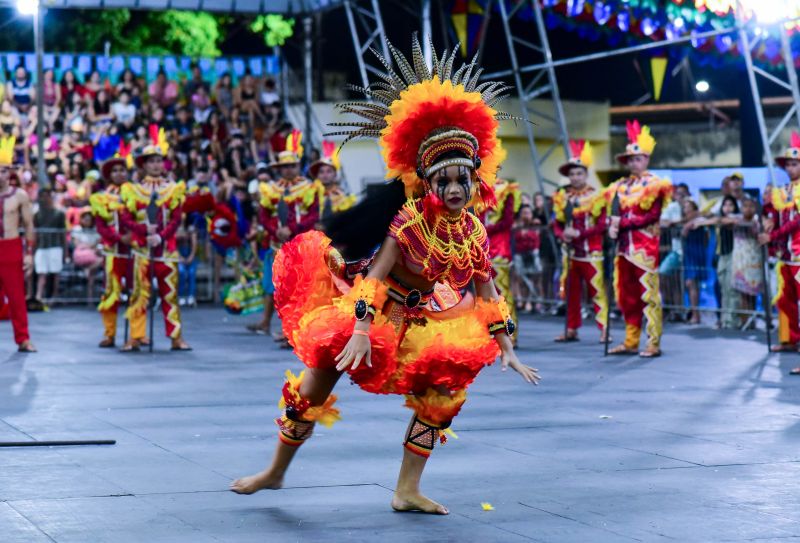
x: 16, y: 256
x: 154, y: 241
x: 346, y: 308
x: 288, y: 207
x: 580, y: 224
x: 499, y: 222
x: 326, y: 171
x: 784, y: 232
x: 106, y: 207
x: 641, y: 197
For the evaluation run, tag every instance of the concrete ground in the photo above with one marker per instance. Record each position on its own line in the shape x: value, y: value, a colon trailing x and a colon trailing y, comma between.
x: 700, y: 445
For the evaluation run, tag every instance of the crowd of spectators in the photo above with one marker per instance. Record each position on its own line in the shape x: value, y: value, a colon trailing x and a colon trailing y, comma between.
x: 219, y: 136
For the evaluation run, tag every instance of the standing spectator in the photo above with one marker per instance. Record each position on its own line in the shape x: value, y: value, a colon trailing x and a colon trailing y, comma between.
x: 736, y: 188
x: 51, y: 243
x: 163, y: 92
x: 728, y: 298
x: 86, y: 252
x: 20, y: 90
x: 695, y: 241
x: 672, y: 250
x: 183, y: 131
x: 747, y: 263
x: 527, y: 275
x: 548, y: 251
x: 187, y: 264
x: 223, y: 93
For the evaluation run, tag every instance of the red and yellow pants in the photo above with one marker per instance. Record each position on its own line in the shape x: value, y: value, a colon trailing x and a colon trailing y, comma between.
x: 166, y: 276
x: 591, y: 273
x: 638, y: 297
x: 117, y: 274
x: 786, y: 302
x: 12, y: 286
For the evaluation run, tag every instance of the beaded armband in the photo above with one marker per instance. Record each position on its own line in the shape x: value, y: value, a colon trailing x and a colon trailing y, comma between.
x: 366, y: 295
x: 504, y: 322
x: 299, y: 409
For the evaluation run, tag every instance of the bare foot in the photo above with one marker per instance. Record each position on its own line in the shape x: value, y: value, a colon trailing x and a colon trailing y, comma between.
x: 403, y: 501
x: 260, y: 481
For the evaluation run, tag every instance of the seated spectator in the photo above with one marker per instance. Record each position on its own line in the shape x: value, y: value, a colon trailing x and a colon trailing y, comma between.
x: 201, y: 104
x: 93, y: 85
x: 223, y: 93
x: 105, y: 140
x: 70, y: 86
x: 51, y: 99
x: 127, y: 82
x: 10, y: 123
x: 100, y: 109
x: 183, y: 130
x: 246, y: 99
x: 124, y: 111
x: 195, y: 83
x: 20, y: 90
x: 269, y: 94
x: 163, y: 92
x: 87, y: 249
x: 75, y: 112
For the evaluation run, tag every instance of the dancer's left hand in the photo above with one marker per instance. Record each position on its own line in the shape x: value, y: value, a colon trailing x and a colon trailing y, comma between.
x: 509, y: 359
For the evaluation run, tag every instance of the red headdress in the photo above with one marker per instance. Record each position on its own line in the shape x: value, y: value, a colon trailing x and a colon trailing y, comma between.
x: 640, y: 142
x: 581, y: 155
x: 423, y: 113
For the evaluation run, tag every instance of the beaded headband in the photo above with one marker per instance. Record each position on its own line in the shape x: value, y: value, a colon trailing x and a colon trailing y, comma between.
x: 443, y: 141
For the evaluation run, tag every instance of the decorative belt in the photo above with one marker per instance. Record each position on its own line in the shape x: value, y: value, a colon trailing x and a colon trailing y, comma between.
x: 410, y: 297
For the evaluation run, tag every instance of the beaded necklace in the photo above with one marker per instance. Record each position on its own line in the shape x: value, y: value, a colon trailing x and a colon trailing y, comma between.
x: 448, y: 249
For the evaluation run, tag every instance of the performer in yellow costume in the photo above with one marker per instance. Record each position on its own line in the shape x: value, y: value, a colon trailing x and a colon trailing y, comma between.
x: 378, y: 316
x: 326, y: 171
x: 153, y: 238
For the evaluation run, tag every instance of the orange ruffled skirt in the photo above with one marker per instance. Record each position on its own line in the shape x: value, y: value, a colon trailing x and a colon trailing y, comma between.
x: 442, y: 349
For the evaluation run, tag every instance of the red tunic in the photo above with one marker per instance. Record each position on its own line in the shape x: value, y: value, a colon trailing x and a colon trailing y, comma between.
x: 588, y: 218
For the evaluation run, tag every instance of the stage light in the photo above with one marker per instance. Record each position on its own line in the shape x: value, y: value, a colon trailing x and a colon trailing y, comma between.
x: 768, y: 11
x: 27, y: 7
x: 702, y: 86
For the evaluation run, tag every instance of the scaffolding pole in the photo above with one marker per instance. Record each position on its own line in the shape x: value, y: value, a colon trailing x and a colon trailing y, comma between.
x: 526, y: 82
x: 367, y: 31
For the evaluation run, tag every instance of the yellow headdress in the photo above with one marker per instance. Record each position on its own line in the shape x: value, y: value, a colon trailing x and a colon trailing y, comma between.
x: 330, y: 157
x: 158, y: 145
x: 7, y: 150
x: 581, y: 155
x: 792, y: 152
x: 421, y: 114
x: 293, y: 152
x: 640, y: 142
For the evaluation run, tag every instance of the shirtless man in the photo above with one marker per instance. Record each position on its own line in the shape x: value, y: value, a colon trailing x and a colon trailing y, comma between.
x: 15, y: 210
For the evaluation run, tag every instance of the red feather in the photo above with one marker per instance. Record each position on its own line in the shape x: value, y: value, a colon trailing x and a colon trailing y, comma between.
x: 576, y: 147
x: 153, y: 129
x: 634, y: 129
x: 794, y: 140
x: 124, y: 149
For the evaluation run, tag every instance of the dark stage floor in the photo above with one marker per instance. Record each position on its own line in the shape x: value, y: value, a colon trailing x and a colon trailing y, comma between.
x: 700, y: 445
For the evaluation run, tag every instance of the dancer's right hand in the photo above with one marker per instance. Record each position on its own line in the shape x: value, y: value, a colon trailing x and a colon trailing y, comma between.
x: 357, y: 349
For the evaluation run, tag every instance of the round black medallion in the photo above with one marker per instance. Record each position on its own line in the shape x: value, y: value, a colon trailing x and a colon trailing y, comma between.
x: 510, y: 327
x: 413, y: 299
x: 361, y: 310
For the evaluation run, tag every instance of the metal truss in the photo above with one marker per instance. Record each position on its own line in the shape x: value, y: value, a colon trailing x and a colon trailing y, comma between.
x: 534, y: 82
x: 750, y: 37
x: 367, y: 31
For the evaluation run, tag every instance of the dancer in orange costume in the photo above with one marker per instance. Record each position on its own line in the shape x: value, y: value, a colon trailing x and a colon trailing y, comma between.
x: 376, y: 315
x: 106, y: 207
x: 583, y: 240
x: 16, y: 254
x: 641, y: 197
x: 154, y: 241
x: 785, y: 234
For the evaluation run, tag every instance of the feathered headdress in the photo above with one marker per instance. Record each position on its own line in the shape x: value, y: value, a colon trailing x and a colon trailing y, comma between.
x: 790, y: 153
x: 158, y: 145
x: 7, y: 150
x: 122, y: 156
x: 640, y: 142
x: 293, y: 152
x: 330, y: 157
x: 422, y: 113
x: 581, y: 155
